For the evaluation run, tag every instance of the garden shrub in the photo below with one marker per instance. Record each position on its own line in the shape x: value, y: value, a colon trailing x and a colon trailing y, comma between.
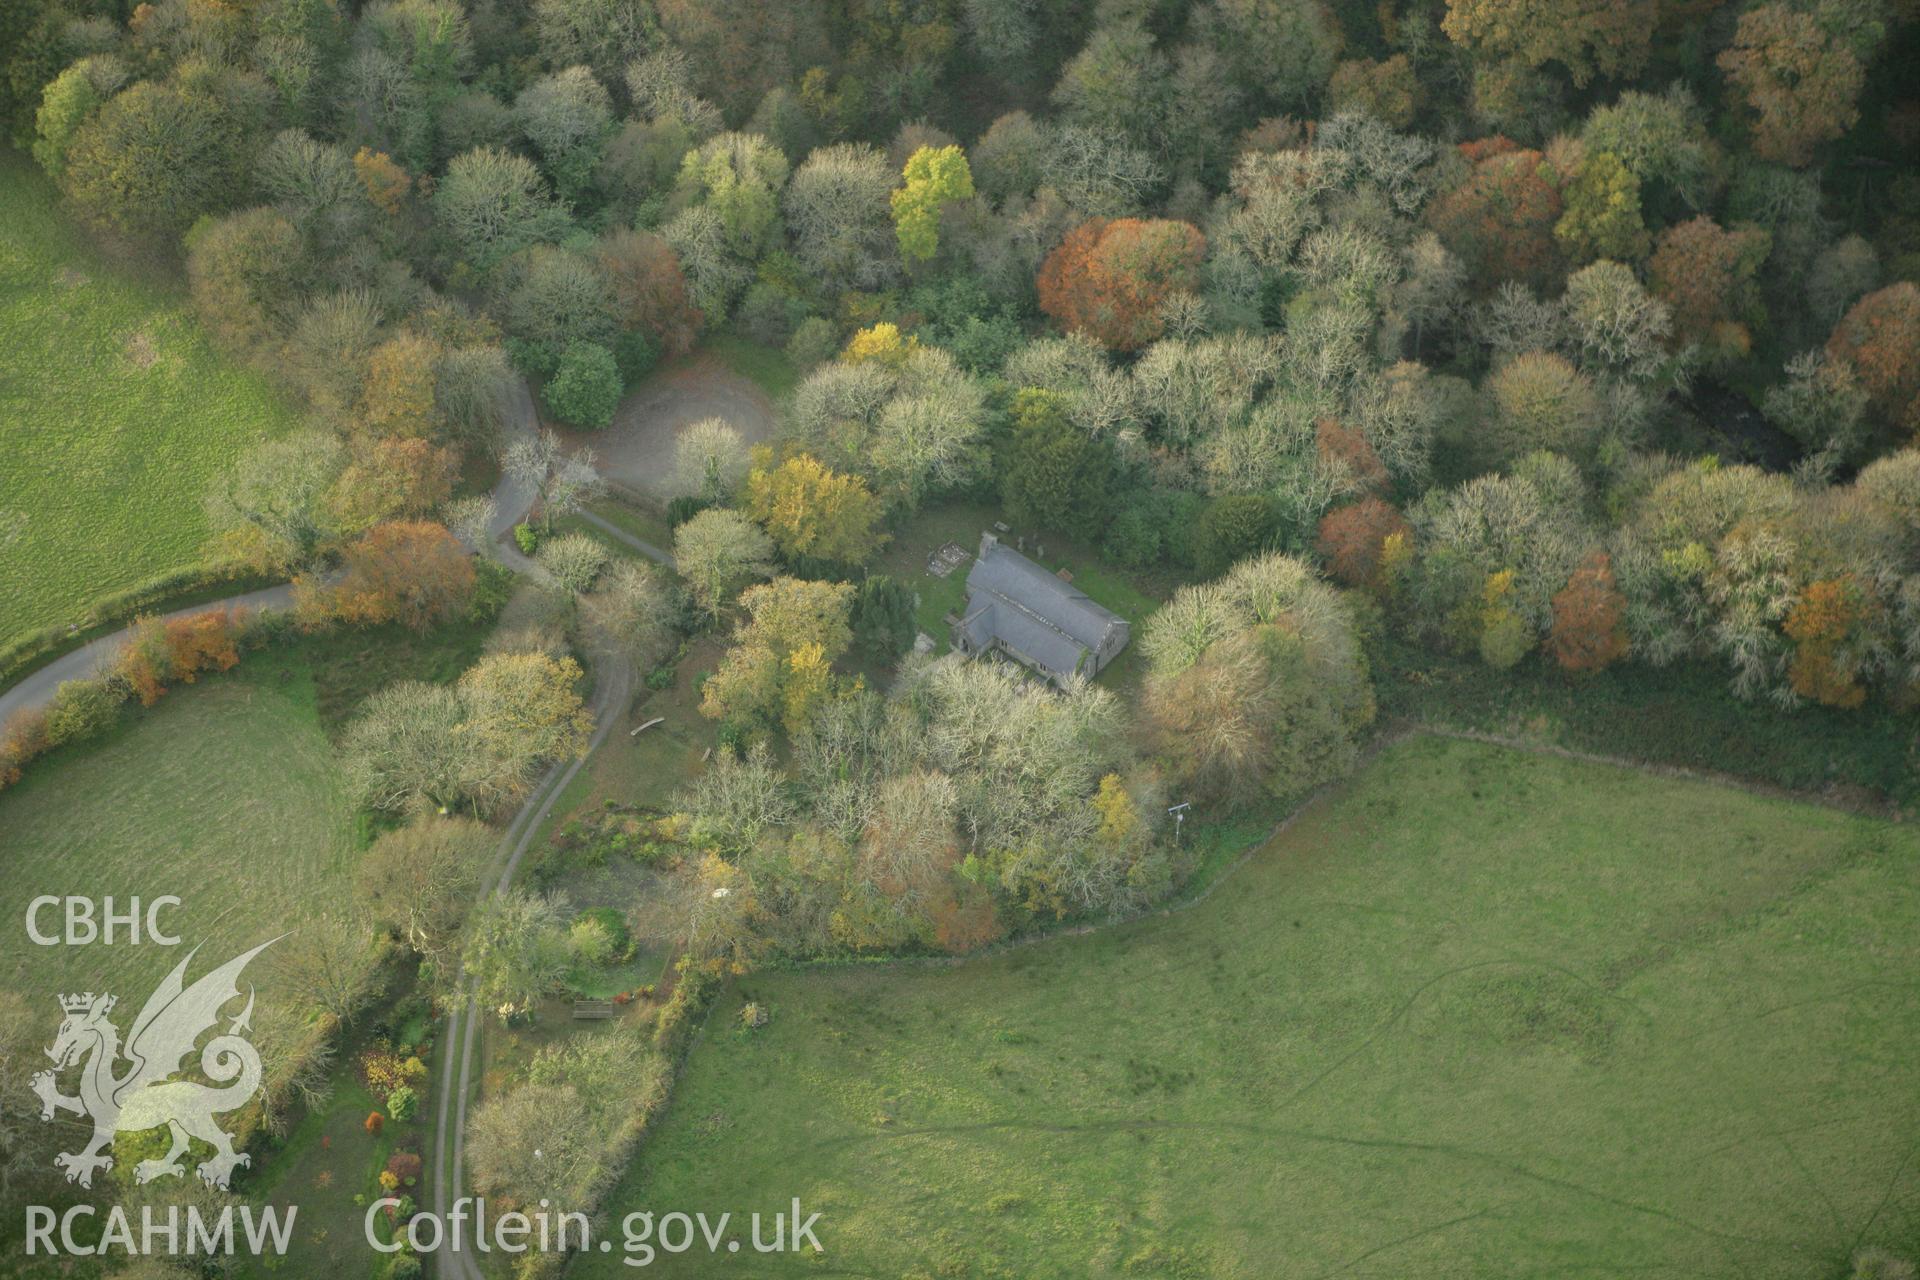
x: 405, y: 1166
x: 492, y: 588
x: 386, y: 1072
x: 614, y: 926
x: 586, y: 386
x: 592, y: 946
x: 815, y: 341
x: 575, y: 560
x: 635, y: 356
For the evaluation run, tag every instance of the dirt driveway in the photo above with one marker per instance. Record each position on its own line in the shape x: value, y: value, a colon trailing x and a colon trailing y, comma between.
x: 636, y: 450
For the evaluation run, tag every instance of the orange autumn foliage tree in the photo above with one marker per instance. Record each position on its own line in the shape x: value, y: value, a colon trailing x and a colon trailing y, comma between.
x: 22, y: 738
x: 1388, y: 91
x: 650, y: 289
x: 1880, y: 338
x: 1494, y: 144
x: 1799, y: 79
x: 963, y: 918
x: 205, y: 641
x: 1352, y: 539
x: 386, y: 182
x: 1823, y: 621
x: 144, y: 663
x: 397, y: 398
x: 391, y: 478
x: 1109, y: 279
x: 1609, y: 38
x: 1500, y: 221
x: 163, y: 651
x: 1587, y: 633
x: 1706, y: 274
x: 1344, y: 446
x: 409, y: 571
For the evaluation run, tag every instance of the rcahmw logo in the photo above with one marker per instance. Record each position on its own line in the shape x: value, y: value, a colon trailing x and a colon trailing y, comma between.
x: 127, y: 1086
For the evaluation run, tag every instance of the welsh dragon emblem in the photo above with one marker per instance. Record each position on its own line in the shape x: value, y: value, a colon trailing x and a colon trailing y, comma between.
x: 141, y: 1096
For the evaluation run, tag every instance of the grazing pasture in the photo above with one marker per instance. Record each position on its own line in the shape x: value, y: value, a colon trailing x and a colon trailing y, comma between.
x: 1475, y: 1013
x: 115, y: 412
x: 224, y: 794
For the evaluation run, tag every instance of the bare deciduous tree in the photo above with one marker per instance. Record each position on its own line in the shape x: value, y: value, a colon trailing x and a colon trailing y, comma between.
x: 630, y: 613
x: 327, y: 962
x: 565, y: 481
x: 709, y: 459
x: 418, y: 880
x: 720, y: 551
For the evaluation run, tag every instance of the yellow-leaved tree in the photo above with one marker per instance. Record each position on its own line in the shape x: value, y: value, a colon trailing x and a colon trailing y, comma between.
x: 780, y: 668
x: 809, y: 509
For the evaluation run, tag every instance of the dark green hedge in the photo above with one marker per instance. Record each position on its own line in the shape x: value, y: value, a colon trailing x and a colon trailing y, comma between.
x: 1683, y: 715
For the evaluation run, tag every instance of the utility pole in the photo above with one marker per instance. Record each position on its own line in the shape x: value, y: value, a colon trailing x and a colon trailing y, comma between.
x: 1179, y: 812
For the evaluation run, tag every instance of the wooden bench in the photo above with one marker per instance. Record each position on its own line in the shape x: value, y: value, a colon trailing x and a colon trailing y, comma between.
x: 593, y: 1008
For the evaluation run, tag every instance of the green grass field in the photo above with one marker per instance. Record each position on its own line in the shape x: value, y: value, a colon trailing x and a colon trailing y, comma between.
x: 224, y: 794
x: 1478, y: 1013
x: 767, y: 367
x: 115, y: 411
x: 644, y: 521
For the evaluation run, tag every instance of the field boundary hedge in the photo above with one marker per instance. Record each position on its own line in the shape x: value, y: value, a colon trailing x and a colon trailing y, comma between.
x: 1681, y: 716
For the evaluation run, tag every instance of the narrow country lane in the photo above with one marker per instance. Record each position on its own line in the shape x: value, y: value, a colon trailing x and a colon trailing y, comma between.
x: 512, y: 499
x: 37, y: 687
x: 457, y: 1069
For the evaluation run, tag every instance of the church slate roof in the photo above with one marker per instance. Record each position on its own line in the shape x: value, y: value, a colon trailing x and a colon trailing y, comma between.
x: 1049, y: 622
